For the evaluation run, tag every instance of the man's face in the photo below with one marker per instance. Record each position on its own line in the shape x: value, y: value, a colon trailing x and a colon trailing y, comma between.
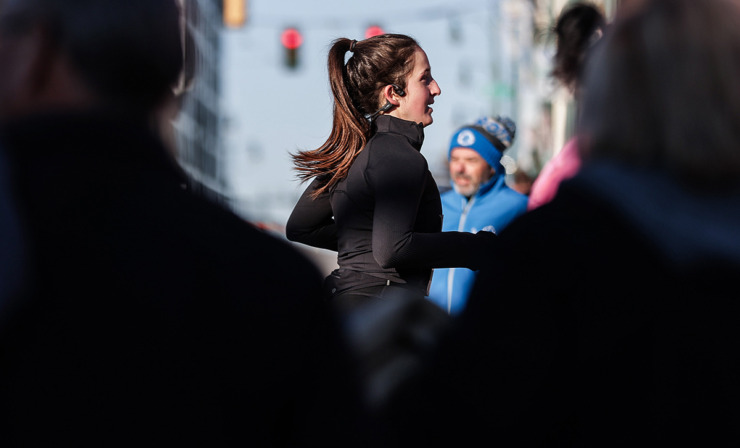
x: 468, y: 171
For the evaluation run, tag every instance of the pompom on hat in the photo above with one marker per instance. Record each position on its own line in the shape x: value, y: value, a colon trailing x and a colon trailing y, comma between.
x: 489, y: 137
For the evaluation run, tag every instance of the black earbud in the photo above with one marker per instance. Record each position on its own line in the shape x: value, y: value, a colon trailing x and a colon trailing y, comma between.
x: 387, y: 106
x: 399, y: 91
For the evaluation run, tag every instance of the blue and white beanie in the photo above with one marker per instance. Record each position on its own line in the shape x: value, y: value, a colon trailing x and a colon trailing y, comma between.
x: 489, y: 137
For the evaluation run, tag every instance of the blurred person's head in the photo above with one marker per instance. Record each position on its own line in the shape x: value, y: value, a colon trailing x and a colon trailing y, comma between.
x: 388, y: 74
x: 578, y: 27
x: 62, y: 54
x: 522, y: 182
x: 475, y: 153
x: 627, y: 7
x: 662, y: 92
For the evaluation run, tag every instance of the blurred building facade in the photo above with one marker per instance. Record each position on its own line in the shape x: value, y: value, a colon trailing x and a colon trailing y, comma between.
x: 544, y: 110
x: 198, y: 125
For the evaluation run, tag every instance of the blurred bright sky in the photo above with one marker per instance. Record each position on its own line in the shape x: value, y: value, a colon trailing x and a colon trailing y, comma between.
x: 271, y: 112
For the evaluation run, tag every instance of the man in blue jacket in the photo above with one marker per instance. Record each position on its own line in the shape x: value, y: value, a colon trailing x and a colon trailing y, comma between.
x: 479, y: 200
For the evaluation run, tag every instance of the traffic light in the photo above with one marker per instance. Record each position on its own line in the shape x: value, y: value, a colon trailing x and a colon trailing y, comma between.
x: 373, y: 30
x: 235, y: 13
x: 291, y: 39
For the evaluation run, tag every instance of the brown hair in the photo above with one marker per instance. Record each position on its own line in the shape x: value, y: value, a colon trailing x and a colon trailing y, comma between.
x: 375, y: 63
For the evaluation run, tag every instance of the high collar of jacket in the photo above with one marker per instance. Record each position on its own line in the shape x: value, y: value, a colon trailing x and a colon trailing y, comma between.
x: 91, y: 136
x: 413, y: 132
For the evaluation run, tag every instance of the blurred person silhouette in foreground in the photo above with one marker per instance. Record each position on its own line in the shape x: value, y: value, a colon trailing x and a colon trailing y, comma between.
x: 480, y: 199
x: 626, y: 333
x: 151, y: 315
x: 12, y: 246
x: 578, y: 28
x: 372, y: 198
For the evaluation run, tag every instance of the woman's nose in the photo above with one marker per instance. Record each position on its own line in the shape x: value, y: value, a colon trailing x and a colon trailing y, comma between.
x: 436, y: 90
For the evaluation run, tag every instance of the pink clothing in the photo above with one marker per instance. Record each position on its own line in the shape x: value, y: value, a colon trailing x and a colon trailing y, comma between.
x: 560, y: 167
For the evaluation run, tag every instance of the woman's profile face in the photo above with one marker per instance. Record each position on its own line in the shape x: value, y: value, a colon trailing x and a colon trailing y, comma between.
x: 421, y: 88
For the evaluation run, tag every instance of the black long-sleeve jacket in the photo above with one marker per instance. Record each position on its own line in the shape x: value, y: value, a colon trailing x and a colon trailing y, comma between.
x: 385, y: 218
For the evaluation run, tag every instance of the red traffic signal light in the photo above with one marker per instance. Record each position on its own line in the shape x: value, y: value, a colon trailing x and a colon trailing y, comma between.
x: 373, y: 30
x: 291, y: 38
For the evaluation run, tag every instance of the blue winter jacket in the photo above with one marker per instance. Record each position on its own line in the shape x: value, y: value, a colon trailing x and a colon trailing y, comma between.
x: 491, y: 209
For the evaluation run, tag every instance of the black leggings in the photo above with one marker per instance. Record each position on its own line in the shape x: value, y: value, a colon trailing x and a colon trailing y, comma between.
x: 350, y: 300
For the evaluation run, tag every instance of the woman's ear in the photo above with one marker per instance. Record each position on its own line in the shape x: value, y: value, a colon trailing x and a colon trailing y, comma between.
x: 390, y: 95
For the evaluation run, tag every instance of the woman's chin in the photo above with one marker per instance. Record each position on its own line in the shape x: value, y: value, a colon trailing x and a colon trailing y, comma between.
x: 427, y: 118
